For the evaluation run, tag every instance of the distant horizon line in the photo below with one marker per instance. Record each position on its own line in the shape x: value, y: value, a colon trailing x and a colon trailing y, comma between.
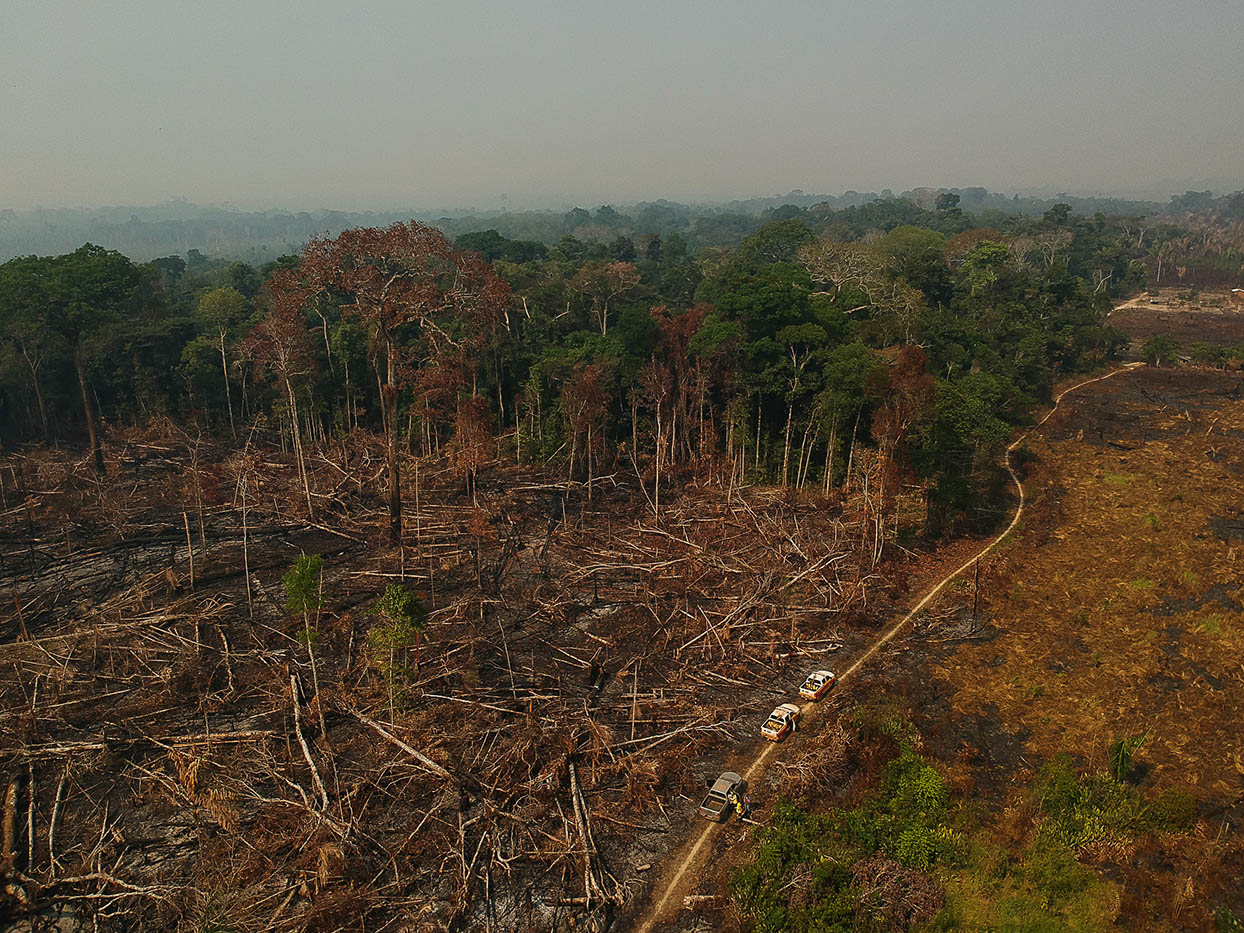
x: 503, y: 204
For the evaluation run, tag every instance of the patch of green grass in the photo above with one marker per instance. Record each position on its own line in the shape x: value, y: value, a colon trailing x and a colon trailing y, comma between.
x: 1141, y: 584
x: 801, y: 874
x: 906, y: 819
x: 1044, y: 891
x: 1081, y: 809
x: 1212, y: 623
x: 1225, y: 921
x: 1119, y: 479
x: 1151, y: 519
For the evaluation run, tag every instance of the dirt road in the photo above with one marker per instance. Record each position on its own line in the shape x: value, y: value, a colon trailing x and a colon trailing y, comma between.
x: 683, y: 869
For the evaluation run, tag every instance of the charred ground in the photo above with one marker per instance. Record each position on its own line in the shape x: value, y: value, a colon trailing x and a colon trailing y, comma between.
x: 1114, y: 611
x: 176, y: 760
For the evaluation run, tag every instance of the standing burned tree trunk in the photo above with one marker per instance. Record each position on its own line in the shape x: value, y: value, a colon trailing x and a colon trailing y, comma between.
x: 391, y: 427
x: 33, y: 361
x: 420, y: 299
x: 88, y: 408
x: 585, y: 400
x: 280, y: 342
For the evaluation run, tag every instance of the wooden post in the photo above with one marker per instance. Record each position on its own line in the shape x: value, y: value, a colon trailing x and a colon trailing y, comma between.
x: 9, y: 854
x: 189, y: 547
x: 246, y: 560
x: 634, y: 696
x: 976, y: 595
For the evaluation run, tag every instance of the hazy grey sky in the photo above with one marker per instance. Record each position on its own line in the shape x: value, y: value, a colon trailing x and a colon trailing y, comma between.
x: 358, y: 104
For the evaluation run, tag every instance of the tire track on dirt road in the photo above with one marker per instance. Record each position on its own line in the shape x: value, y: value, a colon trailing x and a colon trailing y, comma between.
x: 682, y: 869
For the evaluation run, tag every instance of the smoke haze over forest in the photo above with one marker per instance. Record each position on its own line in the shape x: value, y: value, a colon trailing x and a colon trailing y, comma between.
x: 178, y: 227
x: 434, y: 436
x: 492, y: 106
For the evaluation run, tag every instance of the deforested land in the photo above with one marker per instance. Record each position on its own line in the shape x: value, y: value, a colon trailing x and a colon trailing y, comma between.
x: 412, y: 582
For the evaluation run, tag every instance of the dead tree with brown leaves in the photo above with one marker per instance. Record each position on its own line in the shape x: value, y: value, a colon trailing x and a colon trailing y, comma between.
x: 279, y: 341
x: 420, y: 299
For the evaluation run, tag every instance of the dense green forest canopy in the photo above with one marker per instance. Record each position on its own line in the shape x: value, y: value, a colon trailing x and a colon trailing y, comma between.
x: 809, y: 345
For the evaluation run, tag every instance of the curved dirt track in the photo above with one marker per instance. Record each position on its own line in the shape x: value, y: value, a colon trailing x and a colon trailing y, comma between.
x: 680, y: 871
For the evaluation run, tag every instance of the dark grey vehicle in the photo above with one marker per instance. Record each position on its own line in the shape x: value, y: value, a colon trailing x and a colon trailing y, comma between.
x: 716, y: 804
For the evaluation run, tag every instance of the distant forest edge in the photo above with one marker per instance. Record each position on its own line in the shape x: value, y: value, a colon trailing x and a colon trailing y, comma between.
x: 186, y: 229
x: 885, y: 346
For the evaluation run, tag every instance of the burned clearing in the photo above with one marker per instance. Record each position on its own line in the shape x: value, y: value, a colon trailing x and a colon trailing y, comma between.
x: 1116, y: 611
x: 1124, y: 579
x: 1113, y: 611
x: 182, y: 751
x: 1187, y: 317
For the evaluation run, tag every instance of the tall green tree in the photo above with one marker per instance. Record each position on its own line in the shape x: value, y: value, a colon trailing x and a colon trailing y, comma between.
x: 23, y: 307
x: 80, y: 298
x: 90, y: 289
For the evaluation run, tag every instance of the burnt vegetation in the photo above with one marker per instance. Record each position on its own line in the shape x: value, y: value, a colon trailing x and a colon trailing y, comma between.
x: 403, y: 584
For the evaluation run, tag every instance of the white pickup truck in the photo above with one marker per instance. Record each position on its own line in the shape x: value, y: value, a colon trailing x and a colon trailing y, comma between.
x: 817, y: 685
x: 781, y: 722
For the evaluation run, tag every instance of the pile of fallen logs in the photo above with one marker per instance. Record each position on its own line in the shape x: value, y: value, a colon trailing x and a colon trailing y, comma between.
x: 179, y: 748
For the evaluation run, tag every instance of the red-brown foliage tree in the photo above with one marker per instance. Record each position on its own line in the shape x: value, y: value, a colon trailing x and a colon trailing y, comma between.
x: 421, y: 300
x: 908, y: 397
x: 471, y: 447
x: 686, y: 380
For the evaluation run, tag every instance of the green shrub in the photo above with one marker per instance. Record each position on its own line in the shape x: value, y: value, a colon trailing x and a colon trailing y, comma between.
x: 885, y: 719
x: 1225, y: 921
x: 1173, y: 811
x: 1207, y: 354
x: 402, y: 618
x: 302, y: 585
x: 1122, y: 753
x: 1159, y: 350
x: 916, y: 847
x: 1079, y: 810
x: 915, y: 787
